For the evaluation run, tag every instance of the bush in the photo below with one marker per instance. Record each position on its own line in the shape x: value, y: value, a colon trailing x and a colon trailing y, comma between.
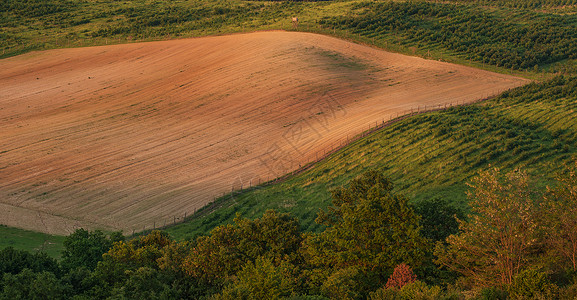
x: 30, y: 285
x: 568, y: 292
x: 262, y: 280
x: 385, y: 294
x: 493, y: 293
x: 417, y: 290
x: 343, y: 284
x: 532, y: 284
x: 14, y: 261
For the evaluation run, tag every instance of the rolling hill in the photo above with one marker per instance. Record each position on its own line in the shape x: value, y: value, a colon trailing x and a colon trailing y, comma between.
x: 127, y: 137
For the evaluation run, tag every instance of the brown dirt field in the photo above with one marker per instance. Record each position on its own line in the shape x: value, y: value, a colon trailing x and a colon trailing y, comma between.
x: 126, y: 136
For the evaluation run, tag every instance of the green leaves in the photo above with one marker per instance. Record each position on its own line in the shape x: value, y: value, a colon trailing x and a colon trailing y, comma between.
x: 368, y: 228
x: 222, y: 254
x: 438, y: 218
x: 499, y: 238
x: 84, y: 248
x: 559, y: 217
x: 30, y: 285
x: 263, y: 279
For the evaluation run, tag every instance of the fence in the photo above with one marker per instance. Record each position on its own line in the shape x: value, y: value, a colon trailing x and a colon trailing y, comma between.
x: 226, y: 198
x: 221, y: 200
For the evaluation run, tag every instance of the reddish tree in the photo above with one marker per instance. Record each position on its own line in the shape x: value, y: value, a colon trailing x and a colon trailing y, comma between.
x: 403, y: 274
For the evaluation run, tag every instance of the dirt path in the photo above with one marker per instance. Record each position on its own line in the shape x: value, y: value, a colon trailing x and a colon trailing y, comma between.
x: 126, y: 136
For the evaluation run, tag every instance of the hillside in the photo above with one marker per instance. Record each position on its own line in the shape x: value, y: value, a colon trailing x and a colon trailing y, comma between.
x: 128, y: 136
x: 288, y: 160
x: 433, y: 155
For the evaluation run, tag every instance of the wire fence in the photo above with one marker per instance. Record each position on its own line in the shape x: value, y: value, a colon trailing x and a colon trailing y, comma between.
x: 225, y: 199
x: 222, y: 199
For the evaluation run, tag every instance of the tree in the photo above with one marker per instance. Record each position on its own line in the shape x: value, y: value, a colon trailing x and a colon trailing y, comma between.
x: 85, y: 249
x: 438, y: 221
x: 262, y: 279
x: 228, y: 248
x: 146, y: 283
x: 403, y: 274
x: 368, y: 228
x: 14, y: 261
x: 498, y: 240
x: 532, y: 284
x: 345, y: 283
x: 30, y: 285
x: 416, y: 290
x: 560, y: 218
x: 438, y: 218
x: 80, y: 280
x: 124, y: 258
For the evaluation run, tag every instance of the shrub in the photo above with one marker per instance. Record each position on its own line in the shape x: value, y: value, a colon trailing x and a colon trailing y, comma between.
x: 262, y: 280
x: 384, y: 293
x: 343, y: 284
x: 493, y: 293
x: 532, y: 284
x: 568, y: 292
x: 417, y: 290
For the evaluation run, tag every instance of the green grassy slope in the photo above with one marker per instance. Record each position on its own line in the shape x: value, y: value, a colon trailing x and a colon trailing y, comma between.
x: 31, y: 241
x: 47, y: 24
x: 429, y: 155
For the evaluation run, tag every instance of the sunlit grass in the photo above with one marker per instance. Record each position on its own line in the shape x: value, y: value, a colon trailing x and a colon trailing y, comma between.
x: 430, y: 155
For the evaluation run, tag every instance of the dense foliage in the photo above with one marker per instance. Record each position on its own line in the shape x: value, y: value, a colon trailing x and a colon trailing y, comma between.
x: 267, y: 257
x: 371, y: 243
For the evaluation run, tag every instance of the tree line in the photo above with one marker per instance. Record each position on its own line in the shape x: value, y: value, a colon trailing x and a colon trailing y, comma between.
x: 516, y: 242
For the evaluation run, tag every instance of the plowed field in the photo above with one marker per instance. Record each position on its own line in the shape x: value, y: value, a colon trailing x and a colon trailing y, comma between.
x: 127, y: 136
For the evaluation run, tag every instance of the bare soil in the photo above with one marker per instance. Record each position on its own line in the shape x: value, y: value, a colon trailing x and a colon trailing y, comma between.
x: 127, y: 136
